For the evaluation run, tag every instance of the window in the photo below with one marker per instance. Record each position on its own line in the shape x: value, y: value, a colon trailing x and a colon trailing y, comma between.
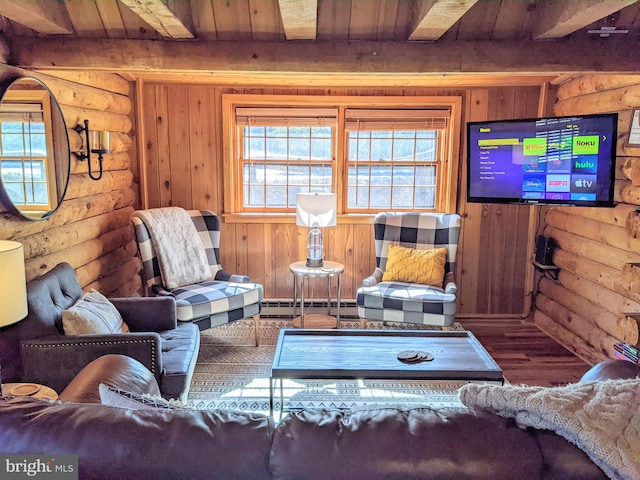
x: 377, y: 154
x: 393, y: 158
x: 24, y: 159
x: 284, y: 151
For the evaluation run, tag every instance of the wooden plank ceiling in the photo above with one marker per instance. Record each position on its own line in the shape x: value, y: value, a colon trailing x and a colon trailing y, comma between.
x: 50, y: 34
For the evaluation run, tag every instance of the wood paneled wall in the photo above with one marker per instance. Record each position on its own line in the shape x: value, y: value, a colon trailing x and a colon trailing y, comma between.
x: 598, y: 251
x: 91, y: 229
x: 182, y: 164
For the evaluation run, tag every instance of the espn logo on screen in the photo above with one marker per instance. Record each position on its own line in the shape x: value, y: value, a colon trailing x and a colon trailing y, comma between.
x: 51, y: 467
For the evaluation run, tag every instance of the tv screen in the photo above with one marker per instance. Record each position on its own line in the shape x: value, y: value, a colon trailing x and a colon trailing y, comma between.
x: 550, y: 161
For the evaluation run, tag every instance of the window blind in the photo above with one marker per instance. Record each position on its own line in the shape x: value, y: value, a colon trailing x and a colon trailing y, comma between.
x: 395, y: 119
x: 286, y: 117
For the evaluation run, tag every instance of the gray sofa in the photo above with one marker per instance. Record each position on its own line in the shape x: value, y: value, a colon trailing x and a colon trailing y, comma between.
x: 37, y: 350
x: 380, y: 443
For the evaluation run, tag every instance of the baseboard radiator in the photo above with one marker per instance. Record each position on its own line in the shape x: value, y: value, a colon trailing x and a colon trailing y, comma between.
x: 283, y: 308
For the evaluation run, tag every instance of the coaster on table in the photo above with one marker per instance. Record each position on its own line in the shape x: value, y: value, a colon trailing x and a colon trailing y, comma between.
x: 413, y: 356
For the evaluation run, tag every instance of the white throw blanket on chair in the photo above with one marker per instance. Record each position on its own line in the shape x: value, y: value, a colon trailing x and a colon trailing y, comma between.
x: 600, y: 418
x: 180, y: 252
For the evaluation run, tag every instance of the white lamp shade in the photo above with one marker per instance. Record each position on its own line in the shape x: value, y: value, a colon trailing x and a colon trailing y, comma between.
x: 13, y: 285
x: 316, y: 209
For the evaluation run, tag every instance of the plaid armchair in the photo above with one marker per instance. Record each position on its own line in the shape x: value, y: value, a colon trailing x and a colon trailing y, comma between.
x: 221, y: 299
x: 411, y: 302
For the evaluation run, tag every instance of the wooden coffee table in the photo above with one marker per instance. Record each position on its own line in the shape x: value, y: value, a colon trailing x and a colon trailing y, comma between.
x: 373, y: 354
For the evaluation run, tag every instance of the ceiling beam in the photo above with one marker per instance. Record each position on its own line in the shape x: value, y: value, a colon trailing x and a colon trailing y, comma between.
x: 299, y: 18
x: 558, y: 19
x: 43, y: 16
x: 365, y: 58
x: 160, y: 17
x: 434, y: 17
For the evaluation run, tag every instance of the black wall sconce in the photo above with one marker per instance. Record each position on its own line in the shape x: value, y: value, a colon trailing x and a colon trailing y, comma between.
x: 97, y: 142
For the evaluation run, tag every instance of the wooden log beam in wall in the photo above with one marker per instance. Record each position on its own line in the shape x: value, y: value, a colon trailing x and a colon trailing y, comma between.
x: 111, y: 162
x: 109, y: 82
x: 120, y: 142
x: 85, y: 96
x: 602, y: 275
x: 588, y: 84
x: 66, y: 236
x: 608, y: 235
x: 568, y: 339
x: 121, y: 283
x: 630, y: 168
x: 82, y: 254
x: 112, y: 122
x: 603, y: 297
x: 106, y: 264
x: 580, y: 326
x: 616, y: 216
x: 70, y: 211
x: 617, y: 325
x: 592, y: 249
x: 354, y: 58
x: 83, y: 186
x: 622, y: 98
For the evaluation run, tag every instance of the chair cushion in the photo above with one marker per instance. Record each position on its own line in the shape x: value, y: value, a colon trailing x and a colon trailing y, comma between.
x: 406, y: 302
x: 415, y: 266
x: 214, y: 297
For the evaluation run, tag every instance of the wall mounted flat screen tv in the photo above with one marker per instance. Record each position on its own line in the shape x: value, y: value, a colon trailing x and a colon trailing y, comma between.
x: 543, y: 161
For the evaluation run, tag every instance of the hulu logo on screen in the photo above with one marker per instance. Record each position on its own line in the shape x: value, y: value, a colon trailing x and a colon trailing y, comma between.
x: 534, y: 146
x: 586, y: 144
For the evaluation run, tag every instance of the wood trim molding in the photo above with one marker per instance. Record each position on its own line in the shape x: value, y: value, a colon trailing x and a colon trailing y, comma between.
x: 344, y: 58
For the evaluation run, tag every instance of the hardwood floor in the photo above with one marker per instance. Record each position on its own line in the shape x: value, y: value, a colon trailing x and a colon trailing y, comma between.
x: 526, y: 354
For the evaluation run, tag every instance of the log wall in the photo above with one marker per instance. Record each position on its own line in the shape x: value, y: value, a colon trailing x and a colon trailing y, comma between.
x: 595, y: 299
x: 91, y: 228
x: 181, y: 163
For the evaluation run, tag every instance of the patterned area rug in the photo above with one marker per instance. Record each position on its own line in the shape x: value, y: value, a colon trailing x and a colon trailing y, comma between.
x: 232, y: 373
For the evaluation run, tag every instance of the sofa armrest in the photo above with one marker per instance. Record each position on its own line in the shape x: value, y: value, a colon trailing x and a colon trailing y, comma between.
x: 55, y: 361
x: 225, y: 276
x: 611, y: 369
x: 117, y: 371
x: 373, y: 279
x: 147, y: 314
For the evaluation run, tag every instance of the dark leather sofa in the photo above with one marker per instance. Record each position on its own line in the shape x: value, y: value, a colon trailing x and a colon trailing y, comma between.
x: 37, y: 350
x: 381, y: 443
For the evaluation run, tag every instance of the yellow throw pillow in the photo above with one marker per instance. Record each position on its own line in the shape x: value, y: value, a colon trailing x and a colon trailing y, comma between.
x: 415, y: 266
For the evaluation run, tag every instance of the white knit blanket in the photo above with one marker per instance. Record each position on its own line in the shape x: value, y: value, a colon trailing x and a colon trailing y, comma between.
x: 600, y: 418
x: 179, y: 249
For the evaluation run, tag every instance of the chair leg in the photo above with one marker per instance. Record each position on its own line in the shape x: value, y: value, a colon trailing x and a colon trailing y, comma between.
x: 256, y: 326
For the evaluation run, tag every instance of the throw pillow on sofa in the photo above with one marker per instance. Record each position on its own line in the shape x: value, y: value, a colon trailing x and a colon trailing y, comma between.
x: 116, y: 397
x: 415, y: 266
x: 93, y: 313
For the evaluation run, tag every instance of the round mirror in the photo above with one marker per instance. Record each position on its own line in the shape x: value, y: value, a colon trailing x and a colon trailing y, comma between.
x: 34, y: 149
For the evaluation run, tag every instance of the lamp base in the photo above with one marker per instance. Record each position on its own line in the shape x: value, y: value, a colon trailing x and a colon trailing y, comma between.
x: 314, y: 262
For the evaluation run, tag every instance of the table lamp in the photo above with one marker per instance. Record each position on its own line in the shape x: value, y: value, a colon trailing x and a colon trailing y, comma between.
x: 13, y: 285
x: 315, y: 210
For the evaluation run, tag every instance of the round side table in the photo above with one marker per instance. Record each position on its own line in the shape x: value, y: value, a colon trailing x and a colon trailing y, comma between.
x: 34, y: 390
x: 328, y: 270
